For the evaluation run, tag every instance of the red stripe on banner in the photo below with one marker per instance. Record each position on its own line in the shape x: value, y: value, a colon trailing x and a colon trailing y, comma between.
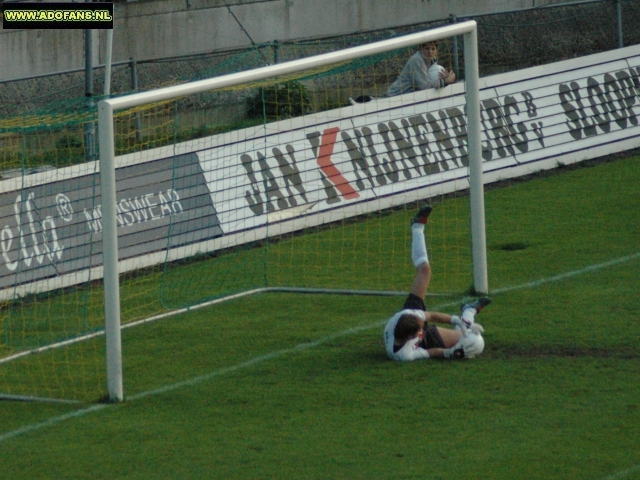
x: 328, y: 167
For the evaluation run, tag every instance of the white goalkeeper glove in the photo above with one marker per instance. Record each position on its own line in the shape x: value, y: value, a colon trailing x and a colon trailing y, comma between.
x: 454, y: 353
x: 464, y: 327
x: 476, y: 328
x: 467, y: 347
x: 459, y: 324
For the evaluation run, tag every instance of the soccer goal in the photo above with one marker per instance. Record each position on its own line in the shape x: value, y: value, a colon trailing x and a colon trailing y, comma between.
x: 289, y: 170
x: 329, y: 149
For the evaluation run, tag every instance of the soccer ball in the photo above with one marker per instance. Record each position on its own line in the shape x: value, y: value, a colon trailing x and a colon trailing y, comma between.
x: 434, y: 73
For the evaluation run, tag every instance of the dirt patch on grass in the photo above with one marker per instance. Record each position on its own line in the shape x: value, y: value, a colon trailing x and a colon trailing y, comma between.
x: 542, y: 351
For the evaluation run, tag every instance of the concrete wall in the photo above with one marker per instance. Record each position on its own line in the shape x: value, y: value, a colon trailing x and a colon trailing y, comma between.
x: 151, y: 29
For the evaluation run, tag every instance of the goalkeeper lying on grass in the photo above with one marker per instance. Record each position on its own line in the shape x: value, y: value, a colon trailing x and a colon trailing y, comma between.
x: 409, y: 335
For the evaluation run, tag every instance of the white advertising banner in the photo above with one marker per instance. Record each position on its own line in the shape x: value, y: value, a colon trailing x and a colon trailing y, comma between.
x: 393, y: 150
x: 229, y: 189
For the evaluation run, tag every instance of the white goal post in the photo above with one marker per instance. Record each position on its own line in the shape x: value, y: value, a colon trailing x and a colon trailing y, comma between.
x: 107, y: 108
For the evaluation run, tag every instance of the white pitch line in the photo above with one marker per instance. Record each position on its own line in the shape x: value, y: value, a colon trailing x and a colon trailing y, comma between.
x: 305, y: 346
x: 52, y: 421
x: 253, y: 361
x: 564, y: 276
x: 193, y: 381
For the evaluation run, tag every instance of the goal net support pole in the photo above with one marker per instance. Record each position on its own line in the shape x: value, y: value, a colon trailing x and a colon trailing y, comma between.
x: 474, y: 146
x: 110, y: 254
x: 107, y: 107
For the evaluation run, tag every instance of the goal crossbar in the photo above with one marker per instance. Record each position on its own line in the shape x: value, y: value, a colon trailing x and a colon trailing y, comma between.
x: 107, y: 107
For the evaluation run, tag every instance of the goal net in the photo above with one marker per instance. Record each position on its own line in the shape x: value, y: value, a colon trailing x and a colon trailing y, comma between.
x: 299, y: 176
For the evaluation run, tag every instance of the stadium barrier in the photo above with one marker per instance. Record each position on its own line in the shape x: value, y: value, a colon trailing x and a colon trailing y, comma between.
x: 227, y: 189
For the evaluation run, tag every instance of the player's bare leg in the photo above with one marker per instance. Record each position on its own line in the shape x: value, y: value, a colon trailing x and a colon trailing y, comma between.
x: 421, y: 280
x: 419, y: 254
x: 449, y: 336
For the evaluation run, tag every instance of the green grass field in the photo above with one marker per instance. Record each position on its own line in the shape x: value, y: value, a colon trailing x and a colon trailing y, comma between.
x: 299, y: 386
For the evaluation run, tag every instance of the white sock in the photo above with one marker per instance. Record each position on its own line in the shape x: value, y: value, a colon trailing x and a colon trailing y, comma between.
x: 418, y: 245
x: 469, y: 315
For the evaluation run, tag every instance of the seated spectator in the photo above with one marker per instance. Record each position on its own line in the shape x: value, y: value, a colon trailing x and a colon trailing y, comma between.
x: 421, y: 72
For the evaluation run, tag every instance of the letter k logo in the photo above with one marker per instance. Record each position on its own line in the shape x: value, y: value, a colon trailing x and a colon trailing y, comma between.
x: 329, y: 168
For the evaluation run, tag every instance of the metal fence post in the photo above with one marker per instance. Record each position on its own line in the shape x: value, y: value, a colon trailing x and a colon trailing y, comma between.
x: 619, y: 23
x: 134, y: 88
x: 454, y: 48
x: 89, y: 127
